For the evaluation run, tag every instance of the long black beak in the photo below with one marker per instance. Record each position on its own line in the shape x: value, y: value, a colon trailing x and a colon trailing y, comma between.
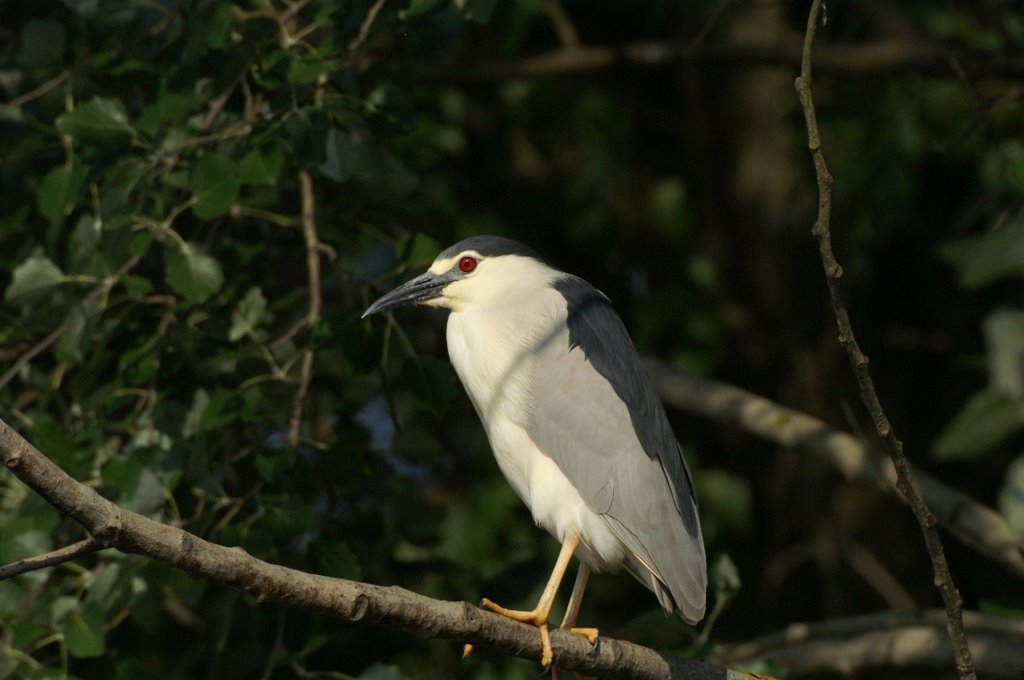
x: 424, y: 287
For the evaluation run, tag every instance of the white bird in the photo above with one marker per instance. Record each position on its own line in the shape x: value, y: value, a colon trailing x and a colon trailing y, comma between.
x: 573, y: 420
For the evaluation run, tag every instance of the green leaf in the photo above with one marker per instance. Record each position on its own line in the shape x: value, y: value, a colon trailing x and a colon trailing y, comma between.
x: 34, y: 275
x: 59, y: 190
x: 987, y: 258
x: 261, y: 166
x: 194, y: 275
x: 431, y: 381
x: 249, y: 313
x: 418, y: 250
x: 989, y: 417
x: 340, y: 164
x: 379, y: 671
x: 84, y: 635
x: 335, y: 558
x: 42, y: 42
x: 100, y: 122
x: 1011, y: 496
x: 214, y: 184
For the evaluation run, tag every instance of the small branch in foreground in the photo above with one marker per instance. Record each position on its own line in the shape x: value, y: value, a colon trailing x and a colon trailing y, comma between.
x: 833, y: 271
x: 86, y: 546
x: 391, y: 607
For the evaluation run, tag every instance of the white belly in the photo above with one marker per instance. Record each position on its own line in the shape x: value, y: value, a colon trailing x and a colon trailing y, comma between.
x: 494, y: 366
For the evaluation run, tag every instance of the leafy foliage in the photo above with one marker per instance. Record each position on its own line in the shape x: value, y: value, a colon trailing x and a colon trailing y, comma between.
x: 156, y: 306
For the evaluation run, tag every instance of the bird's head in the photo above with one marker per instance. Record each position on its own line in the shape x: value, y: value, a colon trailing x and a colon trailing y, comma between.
x: 479, y: 270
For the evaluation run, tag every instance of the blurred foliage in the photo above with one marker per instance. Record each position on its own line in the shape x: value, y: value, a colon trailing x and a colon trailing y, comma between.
x: 155, y: 293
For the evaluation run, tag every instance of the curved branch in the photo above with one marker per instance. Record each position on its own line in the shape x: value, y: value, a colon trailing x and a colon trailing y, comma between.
x: 888, y: 639
x: 972, y: 523
x: 392, y: 607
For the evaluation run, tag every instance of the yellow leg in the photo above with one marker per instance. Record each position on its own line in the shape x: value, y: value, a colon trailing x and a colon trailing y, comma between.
x: 572, y: 610
x: 538, y: 616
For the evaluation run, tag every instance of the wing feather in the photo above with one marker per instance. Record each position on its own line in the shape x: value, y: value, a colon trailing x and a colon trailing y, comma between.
x: 598, y: 417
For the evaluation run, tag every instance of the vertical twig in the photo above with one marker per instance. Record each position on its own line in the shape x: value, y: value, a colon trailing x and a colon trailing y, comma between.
x: 313, y: 314
x: 833, y: 272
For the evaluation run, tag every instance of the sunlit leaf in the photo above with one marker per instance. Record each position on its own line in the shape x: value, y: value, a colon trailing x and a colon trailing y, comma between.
x: 1011, y: 496
x: 988, y: 418
x: 989, y: 257
x: 248, y: 314
x: 100, y: 122
x: 340, y: 164
x: 34, y: 275
x: 193, y: 275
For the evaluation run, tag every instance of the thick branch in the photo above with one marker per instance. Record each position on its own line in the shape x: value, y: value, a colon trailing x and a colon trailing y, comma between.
x: 865, y: 58
x: 972, y: 523
x: 833, y: 271
x: 910, y: 639
x: 392, y: 607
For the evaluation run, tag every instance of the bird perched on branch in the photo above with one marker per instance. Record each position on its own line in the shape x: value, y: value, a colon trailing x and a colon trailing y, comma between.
x: 573, y: 420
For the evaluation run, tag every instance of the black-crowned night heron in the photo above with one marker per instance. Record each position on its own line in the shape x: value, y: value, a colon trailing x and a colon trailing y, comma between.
x: 573, y: 420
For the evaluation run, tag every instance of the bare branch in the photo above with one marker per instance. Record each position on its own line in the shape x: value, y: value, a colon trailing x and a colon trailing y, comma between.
x: 391, y: 607
x: 86, y: 546
x: 972, y: 523
x: 833, y: 271
x: 862, y: 58
x: 889, y: 639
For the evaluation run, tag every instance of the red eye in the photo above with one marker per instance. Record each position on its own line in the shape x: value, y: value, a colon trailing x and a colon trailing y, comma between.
x: 467, y: 264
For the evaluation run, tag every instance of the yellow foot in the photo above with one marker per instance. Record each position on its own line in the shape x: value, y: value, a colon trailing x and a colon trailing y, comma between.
x: 535, y: 618
x: 467, y: 649
x: 590, y: 633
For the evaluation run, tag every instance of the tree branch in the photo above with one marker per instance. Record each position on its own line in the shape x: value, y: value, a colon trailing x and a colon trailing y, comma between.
x: 833, y: 271
x: 864, y: 58
x: 972, y: 523
x: 391, y: 607
x: 888, y: 639
x: 86, y: 546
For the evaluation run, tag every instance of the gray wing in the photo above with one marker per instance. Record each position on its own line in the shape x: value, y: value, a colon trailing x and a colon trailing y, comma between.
x: 598, y: 417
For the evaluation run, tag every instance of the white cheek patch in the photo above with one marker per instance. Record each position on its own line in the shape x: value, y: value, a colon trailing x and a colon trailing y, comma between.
x: 441, y: 266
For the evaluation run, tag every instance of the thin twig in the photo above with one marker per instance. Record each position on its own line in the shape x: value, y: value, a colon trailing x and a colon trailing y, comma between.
x: 31, y: 354
x: 313, y: 314
x: 39, y: 91
x: 833, y: 272
x: 364, y: 31
x: 567, y: 34
x: 86, y: 546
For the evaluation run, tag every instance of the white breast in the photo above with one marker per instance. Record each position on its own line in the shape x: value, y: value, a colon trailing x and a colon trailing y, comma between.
x: 493, y: 356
